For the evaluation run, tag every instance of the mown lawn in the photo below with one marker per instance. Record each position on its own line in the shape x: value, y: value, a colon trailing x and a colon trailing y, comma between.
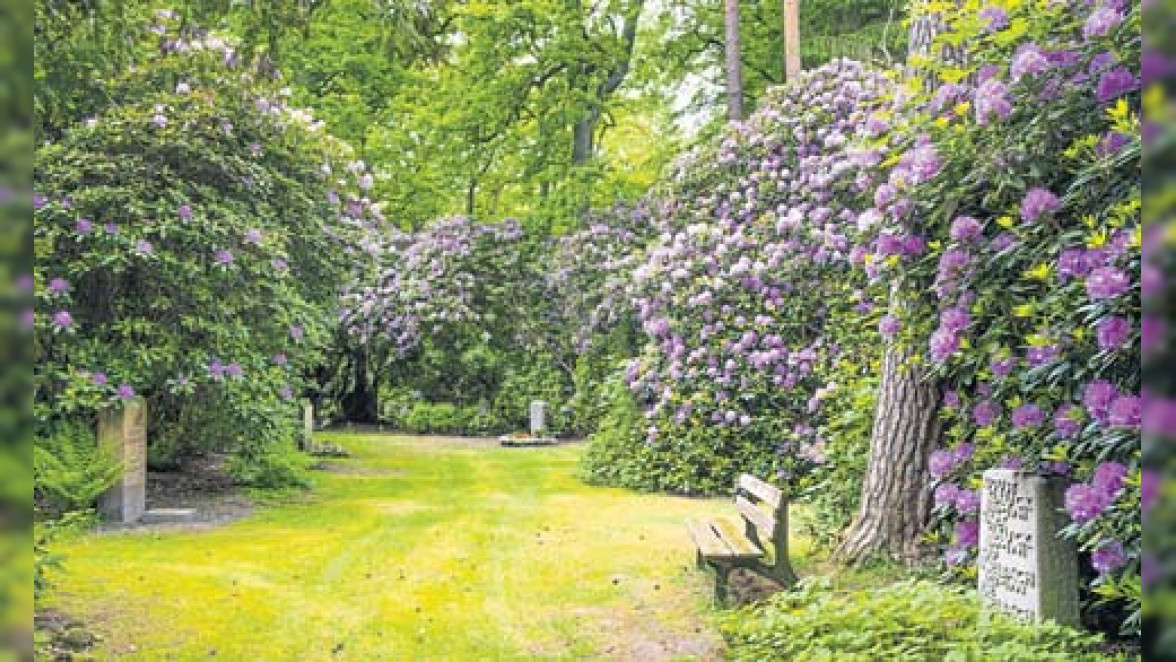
x: 416, y: 549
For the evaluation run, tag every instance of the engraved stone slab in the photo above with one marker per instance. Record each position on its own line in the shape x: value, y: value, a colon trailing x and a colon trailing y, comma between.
x: 1026, y: 570
x: 123, y: 431
x: 538, y: 418
x: 170, y: 516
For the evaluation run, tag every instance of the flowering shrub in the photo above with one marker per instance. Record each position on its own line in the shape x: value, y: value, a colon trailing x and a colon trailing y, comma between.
x: 737, y: 295
x: 1019, y: 183
x: 190, y: 241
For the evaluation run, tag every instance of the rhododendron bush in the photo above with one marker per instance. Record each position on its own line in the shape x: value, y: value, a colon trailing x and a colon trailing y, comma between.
x: 740, y: 296
x: 1021, y: 187
x: 488, y: 317
x: 988, y: 222
x: 189, y: 249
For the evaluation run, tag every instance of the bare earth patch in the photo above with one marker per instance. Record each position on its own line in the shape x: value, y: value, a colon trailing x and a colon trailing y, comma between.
x: 200, y: 483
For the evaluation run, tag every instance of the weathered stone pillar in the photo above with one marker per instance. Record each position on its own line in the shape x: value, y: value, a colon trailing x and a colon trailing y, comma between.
x: 307, y: 423
x: 122, y: 431
x: 538, y: 418
x: 1026, y: 569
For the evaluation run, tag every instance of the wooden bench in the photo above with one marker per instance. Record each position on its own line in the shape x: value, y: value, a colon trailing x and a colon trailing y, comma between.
x: 725, y: 545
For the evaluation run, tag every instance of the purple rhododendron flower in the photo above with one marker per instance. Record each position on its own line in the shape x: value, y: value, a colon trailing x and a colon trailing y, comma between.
x: 965, y: 228
x: 1037, y: 203
x: 28, y: 319
x: 1107, y: 283
x: 1028, y: 61
x: 1039, y: 356
x: 951, y: 399
x: 963, y: 453
x: 111, y: 228
x: 253, y: 236
x: 1151, y: 280
x: 1126, y: 411
x: 144, y: 247
x: 944, y: 343
x: 234, y: 370
x: 99, y: 379
x: 1113, y: 332
x: 1002, y: 366
x: 941, y: 463
x: 1159, y: 415
x: 945, y: 495
x: 126, y: 391
x: 281, y: 359
x: 1085, y: 503
x: 985, y: 412
x: 58, y: 286
x: 1108, y: 557
x: 968, y: 501
x: 62, y: 319
x: 954, y: 319
x: 216, y: 369
x: 224, y: 257
x: 889, y: 326
x: 1027, y: 416
x: 1102, y: 20
x: 1109, y: 477
x: 84, y: 226
x: 297, y: 332
x: 992, y: 99
x: 286, y: 393
x: 1115, y: 83
x: 1097, y: 398
x: 955, y: 556
x: 967, y: 533
x: 1014, y: 462
x: 1067, y: 420
x: 185, y: 212
x: 994, y: 18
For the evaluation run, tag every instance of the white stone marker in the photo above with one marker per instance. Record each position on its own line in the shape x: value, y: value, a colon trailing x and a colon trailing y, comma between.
x: 123, y: 431
x: 538, y: 418
x: 1026, y: 570
x: 307, y: 423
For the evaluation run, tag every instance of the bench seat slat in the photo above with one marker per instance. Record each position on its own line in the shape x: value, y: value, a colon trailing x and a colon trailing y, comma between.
x: 709, y: 544
x: 736, y: 539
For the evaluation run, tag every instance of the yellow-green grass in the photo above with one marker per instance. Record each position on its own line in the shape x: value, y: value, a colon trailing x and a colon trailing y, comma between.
x: 426, y: 549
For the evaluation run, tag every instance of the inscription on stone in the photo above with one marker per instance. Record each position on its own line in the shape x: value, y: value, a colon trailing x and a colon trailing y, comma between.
x: 1026, y: 570
x: 123, y: 432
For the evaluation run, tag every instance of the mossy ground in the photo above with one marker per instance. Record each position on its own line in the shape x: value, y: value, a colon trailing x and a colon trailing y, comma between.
x: 421, y: 549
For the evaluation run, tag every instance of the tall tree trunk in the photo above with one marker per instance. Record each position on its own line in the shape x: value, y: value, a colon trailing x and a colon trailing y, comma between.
x: 361, y: 403
x: 734, y: 66
x: 791, y: 39
x: 896, y: 496
x: 583, y: 137
x: 895, y: 504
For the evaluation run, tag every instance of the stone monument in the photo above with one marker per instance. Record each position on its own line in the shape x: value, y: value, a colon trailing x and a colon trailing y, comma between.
x: 123, y: 432
x: 538, y: 418
x: 307, y: 423
x: 1026, y: 570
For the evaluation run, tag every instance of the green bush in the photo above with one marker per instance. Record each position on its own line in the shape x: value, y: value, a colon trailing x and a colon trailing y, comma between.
x: 70, y: 470
x: 912, y: 620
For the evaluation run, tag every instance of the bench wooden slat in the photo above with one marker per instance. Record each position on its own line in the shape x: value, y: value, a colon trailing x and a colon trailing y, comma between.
x: 709, y: 544
x: 736, y: 539
x: 765, y: 523
x: 769, y: 494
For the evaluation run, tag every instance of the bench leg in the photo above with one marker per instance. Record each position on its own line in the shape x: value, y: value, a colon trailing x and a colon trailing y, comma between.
x: 722, y: 574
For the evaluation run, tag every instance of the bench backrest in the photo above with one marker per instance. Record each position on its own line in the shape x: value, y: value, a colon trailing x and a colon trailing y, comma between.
x: 764, y: 509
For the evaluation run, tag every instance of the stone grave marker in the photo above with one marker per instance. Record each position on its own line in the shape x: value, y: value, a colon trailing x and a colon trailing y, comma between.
x: 307, y: 423
x: 1026, y: 570
x: 538, y: 418
x: 123, y: 431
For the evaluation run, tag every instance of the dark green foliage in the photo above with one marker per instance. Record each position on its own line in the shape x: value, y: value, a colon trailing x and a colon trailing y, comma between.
x: 71, y: 470
x: 914, y: 620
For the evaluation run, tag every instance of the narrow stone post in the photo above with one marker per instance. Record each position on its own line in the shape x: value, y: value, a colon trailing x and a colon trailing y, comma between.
x: 538, y: 418
x: 123, y: 432
x: 1026, y: 569
x: 307, y: 424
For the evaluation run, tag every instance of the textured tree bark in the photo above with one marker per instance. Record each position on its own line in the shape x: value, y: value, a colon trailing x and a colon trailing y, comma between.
x: 734, y: 66
x: 896, y: 496
x: 895, y: 505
